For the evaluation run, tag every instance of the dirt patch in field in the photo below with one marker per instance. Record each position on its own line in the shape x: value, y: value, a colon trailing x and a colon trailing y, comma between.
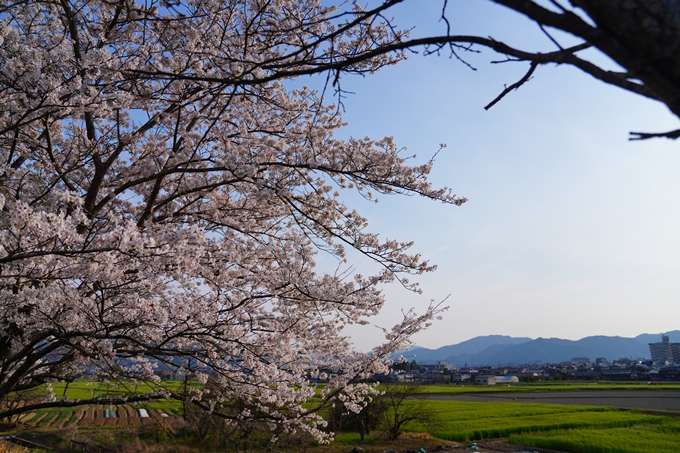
x: 415, y: 441
x: 502, y: 445
x: 660, y: 400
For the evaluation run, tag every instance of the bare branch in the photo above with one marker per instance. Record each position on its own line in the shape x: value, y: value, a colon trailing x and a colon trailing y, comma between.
x: 514, y: 86
x: 646, y: 135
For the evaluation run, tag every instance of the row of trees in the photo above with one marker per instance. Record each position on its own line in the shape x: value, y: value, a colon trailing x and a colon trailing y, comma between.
x: 164, y: 190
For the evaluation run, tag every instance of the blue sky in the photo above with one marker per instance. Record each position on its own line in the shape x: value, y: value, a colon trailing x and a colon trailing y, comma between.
x: 570, y: 230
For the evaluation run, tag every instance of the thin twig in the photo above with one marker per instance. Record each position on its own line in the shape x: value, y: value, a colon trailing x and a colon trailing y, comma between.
x: 647, y: 135
x: 514, y: 86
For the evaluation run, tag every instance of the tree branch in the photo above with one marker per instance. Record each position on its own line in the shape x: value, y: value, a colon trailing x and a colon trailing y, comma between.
x: 514, y: 86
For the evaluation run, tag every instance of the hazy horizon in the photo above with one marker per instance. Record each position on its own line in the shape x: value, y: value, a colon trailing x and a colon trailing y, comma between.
x: 547, y: 338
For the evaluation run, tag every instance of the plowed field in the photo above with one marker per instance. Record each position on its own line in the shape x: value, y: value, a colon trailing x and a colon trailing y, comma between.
x: 665, y: 400
x: 99, y: 416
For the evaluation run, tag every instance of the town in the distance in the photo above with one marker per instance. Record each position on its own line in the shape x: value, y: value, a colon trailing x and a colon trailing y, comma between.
x: 498, y: 359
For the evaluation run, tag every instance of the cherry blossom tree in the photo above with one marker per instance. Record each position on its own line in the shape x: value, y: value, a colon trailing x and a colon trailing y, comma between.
x: 164, y: 191
x: 165, y: 187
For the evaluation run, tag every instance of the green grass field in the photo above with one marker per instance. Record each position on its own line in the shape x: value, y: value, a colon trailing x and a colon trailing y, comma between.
x: 661, y: 437
x: 463, y: 421
x: 559, y: 386
x: 570, y: 428
x: 86, y: 390
x: 83, y: 390
x: 576, y: 429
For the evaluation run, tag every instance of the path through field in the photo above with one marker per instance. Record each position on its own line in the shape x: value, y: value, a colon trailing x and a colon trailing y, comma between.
x: 666, y: 400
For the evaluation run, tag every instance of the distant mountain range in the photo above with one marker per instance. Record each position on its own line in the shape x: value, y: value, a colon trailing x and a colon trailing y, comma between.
x: 505, y: 350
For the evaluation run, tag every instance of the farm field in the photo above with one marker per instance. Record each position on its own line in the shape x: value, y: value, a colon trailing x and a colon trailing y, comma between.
x: 120, y: 415
x: 92, y: 389
x: 546, y: 387
x: 564, y: 428
x: 140, y: 414
x: 560, y: 420
x: 468, y: 421
x: 657, y: 438
x: 556, y: 420
x: 664, y: 400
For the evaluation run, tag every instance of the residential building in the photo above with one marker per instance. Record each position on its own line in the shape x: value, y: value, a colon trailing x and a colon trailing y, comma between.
x: 665, y: 351
x: 439, y: 366
x: 601, y: 361
x: 675, y: 352
x: 580, y: 361
x: 461, y: 377
x: 485, y: 380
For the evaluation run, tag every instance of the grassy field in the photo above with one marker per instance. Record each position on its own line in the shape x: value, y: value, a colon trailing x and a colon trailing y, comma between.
x: 93, y: 389
x: 85, y: 390
x: 570, y: 428
x: 661, y: 437
x: 465, y: 422
x: 576, y: 429
x: 542, y: 387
